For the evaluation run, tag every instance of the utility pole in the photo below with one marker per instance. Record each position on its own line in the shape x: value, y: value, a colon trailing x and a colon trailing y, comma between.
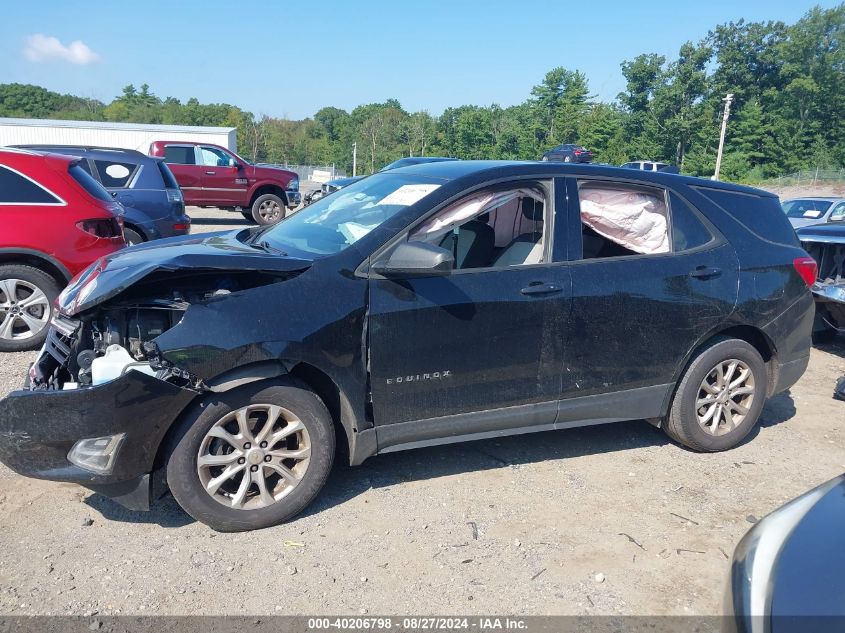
x: 354, y: 159
x: 728, y: 98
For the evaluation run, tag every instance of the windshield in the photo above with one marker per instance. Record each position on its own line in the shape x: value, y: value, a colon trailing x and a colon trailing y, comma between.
x: 809, y: 209
x: 335, y: 222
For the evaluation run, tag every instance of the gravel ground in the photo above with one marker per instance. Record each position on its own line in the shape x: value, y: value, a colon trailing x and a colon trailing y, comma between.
x: 611, y: 519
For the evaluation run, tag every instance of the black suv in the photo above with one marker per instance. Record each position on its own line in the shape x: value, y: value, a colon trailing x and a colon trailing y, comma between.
x: 143, y: 184
x: 429, y: 304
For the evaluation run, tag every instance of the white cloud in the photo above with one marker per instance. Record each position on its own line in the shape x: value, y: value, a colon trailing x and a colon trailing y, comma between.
x: 44, y: 48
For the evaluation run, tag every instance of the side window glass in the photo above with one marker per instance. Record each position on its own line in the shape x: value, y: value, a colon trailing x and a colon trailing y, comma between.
x: 17, y: 189
x: 213, y: 157
x: 687, y: 230
x: 113, y: 174
x: 838, y: 214
x: 494, y: 228
x: 179, y: 155
x: 619, y: 220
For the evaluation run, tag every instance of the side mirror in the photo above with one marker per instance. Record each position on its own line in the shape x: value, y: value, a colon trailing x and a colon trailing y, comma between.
x: 234, y: 163
x: 415, y: 259
x: 839, y: 218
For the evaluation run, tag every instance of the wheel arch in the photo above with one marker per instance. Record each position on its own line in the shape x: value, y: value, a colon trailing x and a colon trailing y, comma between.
x: 338, y: 405
x: 752, y: 335
x: 267, y: 187
x: 36, y: 259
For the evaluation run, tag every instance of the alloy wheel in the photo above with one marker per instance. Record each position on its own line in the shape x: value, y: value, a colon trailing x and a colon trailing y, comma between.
x: 725, y: 397
x: 254, y: 457
x: 24, y: 310
x: 270, y: 210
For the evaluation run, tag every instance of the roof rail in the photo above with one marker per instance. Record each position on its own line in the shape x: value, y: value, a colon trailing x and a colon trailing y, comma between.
x: 47, y: 146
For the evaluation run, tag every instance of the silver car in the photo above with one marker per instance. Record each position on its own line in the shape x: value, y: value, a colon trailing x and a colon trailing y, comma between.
x: 808, y: 211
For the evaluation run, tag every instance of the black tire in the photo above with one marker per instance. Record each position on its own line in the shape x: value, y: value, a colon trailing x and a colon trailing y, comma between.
x: 43, y: 282
x: 248, y: 216
x: 259, y: 214
x: 682, y: 423
x: 133, y: 237
x: 182, y: 467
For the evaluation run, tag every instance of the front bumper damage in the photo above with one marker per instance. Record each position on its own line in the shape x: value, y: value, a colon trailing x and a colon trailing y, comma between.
x: 39, y: 428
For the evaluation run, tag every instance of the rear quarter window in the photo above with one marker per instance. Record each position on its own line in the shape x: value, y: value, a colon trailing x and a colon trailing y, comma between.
x: 762, y: 215
x: 87, y: 182
x: 18, y: 189
x: 167, y: 175
x: 115, y: 174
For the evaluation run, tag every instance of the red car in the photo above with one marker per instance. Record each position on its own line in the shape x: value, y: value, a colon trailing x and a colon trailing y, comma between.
x: 213, y: 176
x: 55, y: 220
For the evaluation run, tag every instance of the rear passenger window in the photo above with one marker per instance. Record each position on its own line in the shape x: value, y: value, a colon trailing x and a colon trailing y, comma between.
x: 18, y: 189
x: 179, y: 155
x: 619, y: 219
x: 761, y: 215
x: 687, y: 229
x: 114, y: 174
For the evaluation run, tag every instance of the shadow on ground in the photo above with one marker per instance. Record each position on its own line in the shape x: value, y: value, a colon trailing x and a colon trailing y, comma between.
x: 346, y: 483
x: 235, y: 220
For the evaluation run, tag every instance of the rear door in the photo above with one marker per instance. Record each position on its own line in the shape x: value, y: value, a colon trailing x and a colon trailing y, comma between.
x: 183, y: 164
x: 222, y: 184
x: 637, y: 312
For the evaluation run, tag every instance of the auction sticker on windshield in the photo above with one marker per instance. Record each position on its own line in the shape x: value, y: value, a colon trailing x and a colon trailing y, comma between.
x: 407, y: 195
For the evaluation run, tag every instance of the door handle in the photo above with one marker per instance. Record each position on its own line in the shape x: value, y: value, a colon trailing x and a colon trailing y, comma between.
x: 705, y: 272
x: 539, y: 288
x: 210, y: 173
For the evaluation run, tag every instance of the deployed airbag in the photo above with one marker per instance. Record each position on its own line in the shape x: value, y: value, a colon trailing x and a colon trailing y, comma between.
x: 632, y: 218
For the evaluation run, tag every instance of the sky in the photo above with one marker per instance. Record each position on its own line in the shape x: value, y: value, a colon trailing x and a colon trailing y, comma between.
x: 288, y: 59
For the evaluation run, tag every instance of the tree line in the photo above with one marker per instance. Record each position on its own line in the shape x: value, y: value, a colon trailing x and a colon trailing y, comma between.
x: 788, y: 82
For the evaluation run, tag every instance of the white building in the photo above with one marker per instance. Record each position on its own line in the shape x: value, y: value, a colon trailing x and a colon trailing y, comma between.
x: 136, y: 136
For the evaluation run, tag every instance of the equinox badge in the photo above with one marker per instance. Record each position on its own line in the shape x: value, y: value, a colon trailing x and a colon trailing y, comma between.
x: 435, y: 375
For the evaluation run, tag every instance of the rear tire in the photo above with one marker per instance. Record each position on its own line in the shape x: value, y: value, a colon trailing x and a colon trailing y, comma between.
x: 268, y: 209
x: 236, y: 506
x: 709, y: 413
x: 25, y: 316
x: 132, y: 237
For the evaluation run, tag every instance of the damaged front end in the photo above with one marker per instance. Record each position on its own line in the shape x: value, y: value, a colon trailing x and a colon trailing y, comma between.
x: 826, y: 245
x: 108, y: 340
x: 102, y: 394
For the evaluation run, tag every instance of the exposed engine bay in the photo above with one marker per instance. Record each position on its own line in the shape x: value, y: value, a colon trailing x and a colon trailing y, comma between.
x: 105, y: 342
x: 829, y: 289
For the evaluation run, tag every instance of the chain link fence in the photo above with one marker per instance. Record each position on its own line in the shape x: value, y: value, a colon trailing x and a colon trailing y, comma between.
x: 812, y: 176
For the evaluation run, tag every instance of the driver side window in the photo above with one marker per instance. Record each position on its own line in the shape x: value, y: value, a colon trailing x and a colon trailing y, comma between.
x: 213, y: 157
x: 493, y: 228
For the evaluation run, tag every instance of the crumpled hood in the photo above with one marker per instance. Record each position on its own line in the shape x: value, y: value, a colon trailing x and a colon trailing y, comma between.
x: 222, y: 251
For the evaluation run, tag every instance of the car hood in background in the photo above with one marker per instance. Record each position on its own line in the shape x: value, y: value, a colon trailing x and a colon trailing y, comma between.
x: 113, y: 274
x: 833, y: 233
x: 798, y: 223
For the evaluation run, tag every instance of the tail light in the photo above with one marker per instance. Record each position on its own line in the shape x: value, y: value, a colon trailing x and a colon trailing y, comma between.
x: 101, y: 227
x: 182, y: 227
x: 175, y: 196
x: 577, y: 151
x: 807, y: 268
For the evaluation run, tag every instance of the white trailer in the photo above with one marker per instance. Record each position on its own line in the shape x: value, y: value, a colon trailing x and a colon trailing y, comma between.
x: 136, y: 136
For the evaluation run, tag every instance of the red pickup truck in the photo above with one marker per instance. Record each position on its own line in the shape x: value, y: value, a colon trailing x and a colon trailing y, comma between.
x: 213, y: 176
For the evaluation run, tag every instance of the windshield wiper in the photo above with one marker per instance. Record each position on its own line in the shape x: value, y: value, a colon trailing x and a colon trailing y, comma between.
x: 265, y: 246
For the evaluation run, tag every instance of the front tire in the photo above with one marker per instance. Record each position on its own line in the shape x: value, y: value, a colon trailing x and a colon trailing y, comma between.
x: 720, y: 397
x: 268, y: 209
x: 253, y: 457
x: 27, y: 296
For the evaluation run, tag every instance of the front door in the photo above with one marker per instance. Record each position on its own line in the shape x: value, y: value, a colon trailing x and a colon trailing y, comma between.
x: 222, y: 183
x: 639, y: 304
x: 484, y: 343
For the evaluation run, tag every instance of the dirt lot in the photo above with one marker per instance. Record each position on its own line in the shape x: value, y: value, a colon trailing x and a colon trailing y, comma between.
x: 604, y: 520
